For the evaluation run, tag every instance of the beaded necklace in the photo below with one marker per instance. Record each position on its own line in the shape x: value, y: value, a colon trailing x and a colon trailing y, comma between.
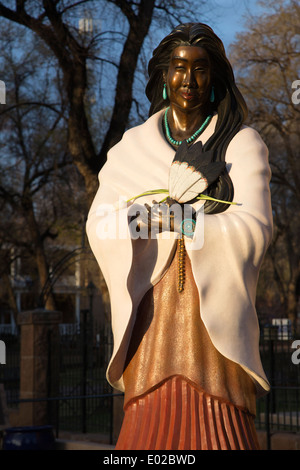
x: 180, y: 241
x: 190, y: 139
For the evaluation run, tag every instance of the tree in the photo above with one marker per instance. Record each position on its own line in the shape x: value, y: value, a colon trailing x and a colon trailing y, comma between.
x: 33, y: 153
x: 51, y: 20
x: 67, y: 77
x: 267, y: 59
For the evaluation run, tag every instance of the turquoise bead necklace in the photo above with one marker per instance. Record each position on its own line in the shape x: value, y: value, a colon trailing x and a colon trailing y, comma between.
x: 190, y: 139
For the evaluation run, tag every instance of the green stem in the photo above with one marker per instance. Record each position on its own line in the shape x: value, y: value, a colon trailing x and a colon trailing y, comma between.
x: 208, y: 198
x: 147, y: 193
x: 158, y: 191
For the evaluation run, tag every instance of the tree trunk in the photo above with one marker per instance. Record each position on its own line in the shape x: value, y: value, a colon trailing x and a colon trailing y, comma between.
x: 11, y: 297
x: 40, y: 255
x: 139, y: 27
x: 291, y: 304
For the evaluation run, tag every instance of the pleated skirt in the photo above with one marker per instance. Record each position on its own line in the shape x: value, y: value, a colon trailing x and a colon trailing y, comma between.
x: 178, y: 416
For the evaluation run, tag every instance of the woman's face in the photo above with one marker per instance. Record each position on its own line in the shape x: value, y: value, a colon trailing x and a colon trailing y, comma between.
x: 189, y: 78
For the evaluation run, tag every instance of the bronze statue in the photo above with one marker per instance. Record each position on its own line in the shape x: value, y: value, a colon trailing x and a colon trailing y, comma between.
x: 182, y: 282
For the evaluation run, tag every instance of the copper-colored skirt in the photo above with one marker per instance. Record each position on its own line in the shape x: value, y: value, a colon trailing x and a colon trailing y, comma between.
x: 178, y: 416
x: 180, y: 391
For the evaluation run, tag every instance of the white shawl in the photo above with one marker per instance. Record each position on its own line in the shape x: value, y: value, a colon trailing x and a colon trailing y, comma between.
x: 225, y: 266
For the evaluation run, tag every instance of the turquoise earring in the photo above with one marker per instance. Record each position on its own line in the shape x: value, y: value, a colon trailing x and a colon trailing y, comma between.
x: 212, y: 95
x: 165, y: 96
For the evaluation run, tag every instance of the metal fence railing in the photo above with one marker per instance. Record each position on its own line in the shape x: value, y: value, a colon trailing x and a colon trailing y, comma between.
x: 10, y: 372
x: 83, y: 402
x: 279, y: 410
x: 83, y: 414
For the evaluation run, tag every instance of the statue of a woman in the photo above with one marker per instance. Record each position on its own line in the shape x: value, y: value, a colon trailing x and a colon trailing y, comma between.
x: 181, y: 255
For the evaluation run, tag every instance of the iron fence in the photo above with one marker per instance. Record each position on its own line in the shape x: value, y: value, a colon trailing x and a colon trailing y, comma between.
x: 97, y: 417
x: 79, y: 396
x: 10, y: 372
x: 83, y: 401
x: 279, y: 410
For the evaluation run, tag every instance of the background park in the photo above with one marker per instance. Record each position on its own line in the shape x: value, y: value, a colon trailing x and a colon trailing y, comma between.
x: 75, y: 75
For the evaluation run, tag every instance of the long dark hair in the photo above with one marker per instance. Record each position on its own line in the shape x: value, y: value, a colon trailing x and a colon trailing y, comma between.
x: 229, y: 103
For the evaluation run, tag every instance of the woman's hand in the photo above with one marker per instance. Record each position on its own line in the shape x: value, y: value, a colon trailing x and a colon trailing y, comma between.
x: 168, y: 216
x: 160, y: 217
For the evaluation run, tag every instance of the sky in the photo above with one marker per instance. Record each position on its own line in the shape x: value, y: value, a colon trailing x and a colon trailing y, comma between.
x: 227, y: 17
